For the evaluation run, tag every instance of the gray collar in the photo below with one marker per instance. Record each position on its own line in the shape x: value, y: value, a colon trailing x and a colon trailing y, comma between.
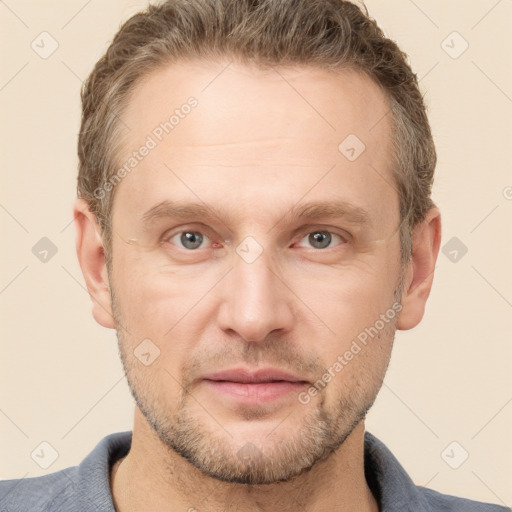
x: 387, y: 479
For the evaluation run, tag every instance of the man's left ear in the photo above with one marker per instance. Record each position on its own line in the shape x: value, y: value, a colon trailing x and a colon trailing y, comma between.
x: 419, y: 275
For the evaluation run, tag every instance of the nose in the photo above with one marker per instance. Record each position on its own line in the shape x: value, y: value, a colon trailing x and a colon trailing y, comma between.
x: 256, y: 301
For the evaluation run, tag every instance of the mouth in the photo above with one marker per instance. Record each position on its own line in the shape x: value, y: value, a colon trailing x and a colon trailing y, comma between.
x: 255, y: 392
x: 245, y: 386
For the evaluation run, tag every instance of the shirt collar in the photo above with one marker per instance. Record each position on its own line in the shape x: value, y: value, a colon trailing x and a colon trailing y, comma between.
x: 388, y: 480
x: 390, y: 484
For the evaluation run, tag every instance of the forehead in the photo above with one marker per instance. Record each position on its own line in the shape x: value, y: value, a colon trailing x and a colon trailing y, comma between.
x: 281, y: 126
x: 259, y: 101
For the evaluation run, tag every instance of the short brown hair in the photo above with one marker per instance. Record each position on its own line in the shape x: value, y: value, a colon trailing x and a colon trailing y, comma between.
x: 331, y: 34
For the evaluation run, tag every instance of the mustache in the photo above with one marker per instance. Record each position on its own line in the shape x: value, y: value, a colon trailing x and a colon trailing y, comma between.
x: 254, y: 355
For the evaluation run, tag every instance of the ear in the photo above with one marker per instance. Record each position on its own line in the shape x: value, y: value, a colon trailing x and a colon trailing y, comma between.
x: 89, y: 249
x: 426, y: 240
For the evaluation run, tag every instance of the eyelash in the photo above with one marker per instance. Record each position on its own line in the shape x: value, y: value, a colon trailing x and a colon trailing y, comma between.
x: 167, y: 239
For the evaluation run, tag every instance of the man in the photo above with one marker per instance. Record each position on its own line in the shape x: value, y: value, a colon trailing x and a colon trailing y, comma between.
x: 254, y: 219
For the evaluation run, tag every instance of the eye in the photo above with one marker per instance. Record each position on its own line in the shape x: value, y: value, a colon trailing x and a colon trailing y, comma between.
x: 321, y: 239
x: 188, y: 239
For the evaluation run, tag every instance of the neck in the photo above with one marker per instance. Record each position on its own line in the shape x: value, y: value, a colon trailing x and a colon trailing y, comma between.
x: 154, y: 477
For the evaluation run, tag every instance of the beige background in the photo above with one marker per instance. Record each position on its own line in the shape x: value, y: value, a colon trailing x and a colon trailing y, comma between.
x: 449, y: 379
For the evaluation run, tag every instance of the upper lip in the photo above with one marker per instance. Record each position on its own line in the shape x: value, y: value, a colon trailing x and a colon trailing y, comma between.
x: 247, y: 376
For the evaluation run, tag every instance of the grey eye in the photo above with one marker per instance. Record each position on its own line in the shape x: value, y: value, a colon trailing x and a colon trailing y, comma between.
x: 320, y: 239
x: 191, y: 239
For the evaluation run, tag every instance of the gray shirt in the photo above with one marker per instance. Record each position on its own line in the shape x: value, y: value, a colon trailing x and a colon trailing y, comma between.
x: 86, y: 487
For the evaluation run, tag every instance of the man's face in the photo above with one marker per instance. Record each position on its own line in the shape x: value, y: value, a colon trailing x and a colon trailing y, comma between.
x: 250, y: 284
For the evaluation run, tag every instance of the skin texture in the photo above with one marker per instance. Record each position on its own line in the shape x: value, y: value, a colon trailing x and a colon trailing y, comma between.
x: 258, y: 143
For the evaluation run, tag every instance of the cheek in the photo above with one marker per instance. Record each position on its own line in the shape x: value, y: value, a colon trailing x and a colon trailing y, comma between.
x: 357, y: 307
x: 358, y: 367
x: 149, y: 297
x: 347, y: 299
x: 166, y: 309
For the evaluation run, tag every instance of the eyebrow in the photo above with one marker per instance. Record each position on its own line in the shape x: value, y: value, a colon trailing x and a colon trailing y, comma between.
x: 170, y: 209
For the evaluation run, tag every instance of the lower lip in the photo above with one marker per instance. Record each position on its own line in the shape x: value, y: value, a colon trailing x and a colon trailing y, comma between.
x: 256, y: 392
